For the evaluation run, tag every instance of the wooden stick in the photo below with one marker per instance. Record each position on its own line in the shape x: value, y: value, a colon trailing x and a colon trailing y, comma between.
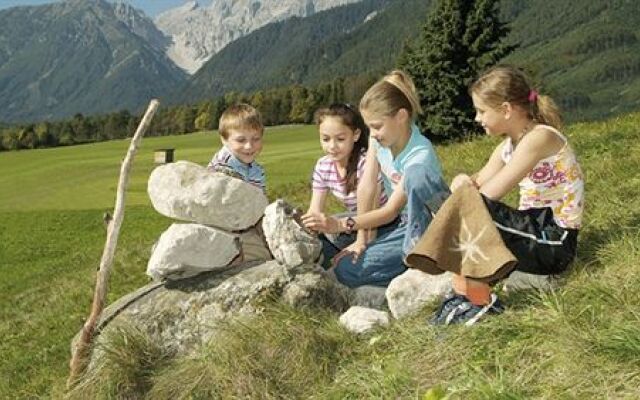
x: 79, y: 358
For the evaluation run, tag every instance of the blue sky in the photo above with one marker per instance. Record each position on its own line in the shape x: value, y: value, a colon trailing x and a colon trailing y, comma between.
x: 150, y: 7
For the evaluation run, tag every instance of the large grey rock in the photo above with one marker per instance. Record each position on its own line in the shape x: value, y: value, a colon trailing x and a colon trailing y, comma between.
x: 409, y: 292
x: 184, y: 314
x: 288, y: 241
x: 189, y: 192
x: 361, y: 319
x: 185, y: 250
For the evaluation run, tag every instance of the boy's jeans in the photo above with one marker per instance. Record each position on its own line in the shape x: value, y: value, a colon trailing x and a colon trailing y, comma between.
x: 382, y: 260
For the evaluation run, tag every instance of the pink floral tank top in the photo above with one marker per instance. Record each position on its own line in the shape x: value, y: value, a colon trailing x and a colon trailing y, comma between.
x: 556, y: 182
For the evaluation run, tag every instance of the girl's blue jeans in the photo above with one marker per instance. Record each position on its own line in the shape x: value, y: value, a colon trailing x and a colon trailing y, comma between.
x: 383, y: 259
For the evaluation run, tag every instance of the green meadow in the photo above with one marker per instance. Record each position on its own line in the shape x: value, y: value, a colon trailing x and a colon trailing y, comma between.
x: 580, y: 341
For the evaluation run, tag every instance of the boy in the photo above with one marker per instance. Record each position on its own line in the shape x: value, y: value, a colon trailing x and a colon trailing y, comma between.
x: 241, y: 132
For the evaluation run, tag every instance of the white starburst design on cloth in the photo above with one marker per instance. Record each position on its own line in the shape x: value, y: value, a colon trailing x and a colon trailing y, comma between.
x: 468, y: 245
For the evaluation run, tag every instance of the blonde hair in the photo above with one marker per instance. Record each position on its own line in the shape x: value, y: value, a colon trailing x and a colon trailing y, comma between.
x: 240, y: 117
x: 393, y: 92
x: 506, y: 83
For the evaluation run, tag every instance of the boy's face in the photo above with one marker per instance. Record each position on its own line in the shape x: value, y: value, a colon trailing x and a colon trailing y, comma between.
x: 245, y: 145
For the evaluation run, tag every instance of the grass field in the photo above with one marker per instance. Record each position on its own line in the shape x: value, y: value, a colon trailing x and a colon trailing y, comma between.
x: 582, y: 341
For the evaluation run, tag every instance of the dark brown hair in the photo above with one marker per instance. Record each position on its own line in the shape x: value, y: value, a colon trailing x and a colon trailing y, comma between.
x: 350, y: 117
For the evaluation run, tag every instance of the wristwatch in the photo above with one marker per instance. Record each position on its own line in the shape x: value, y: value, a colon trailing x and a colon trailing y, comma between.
x: 350, y: 223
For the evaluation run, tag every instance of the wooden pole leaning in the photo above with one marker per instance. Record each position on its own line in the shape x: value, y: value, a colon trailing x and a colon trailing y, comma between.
x: 80, y: 356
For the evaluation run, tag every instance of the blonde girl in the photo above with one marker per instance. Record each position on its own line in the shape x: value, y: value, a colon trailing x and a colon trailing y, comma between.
x: 534, y: 156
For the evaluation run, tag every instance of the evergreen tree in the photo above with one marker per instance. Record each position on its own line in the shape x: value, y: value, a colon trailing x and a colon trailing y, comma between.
x: 459, y: 39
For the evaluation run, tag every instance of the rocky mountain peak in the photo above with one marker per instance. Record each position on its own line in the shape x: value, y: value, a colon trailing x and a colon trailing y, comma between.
x: 198, y: 32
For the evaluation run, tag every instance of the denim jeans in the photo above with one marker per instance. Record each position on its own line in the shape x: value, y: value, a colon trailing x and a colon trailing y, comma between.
x: 383, y: 259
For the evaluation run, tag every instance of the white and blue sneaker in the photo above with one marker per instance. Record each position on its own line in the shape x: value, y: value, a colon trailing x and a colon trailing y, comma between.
x: 468, y: 313
x: 450, y: 303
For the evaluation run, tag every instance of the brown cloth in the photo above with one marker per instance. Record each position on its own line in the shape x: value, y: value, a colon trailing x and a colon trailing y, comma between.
x: 463, y: 239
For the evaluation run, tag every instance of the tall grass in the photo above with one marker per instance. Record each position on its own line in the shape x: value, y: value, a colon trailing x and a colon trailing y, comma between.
x: 580, y: 341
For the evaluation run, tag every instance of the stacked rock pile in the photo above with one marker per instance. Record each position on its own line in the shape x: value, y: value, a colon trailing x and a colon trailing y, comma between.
x: 219, y: 215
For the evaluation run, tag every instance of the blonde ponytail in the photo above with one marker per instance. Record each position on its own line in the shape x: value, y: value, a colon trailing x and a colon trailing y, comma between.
x: 506, y: 83
x: 545, y: 111
x: 393, y: 92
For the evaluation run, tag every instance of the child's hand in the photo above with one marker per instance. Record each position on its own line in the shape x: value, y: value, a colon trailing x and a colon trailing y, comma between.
x: 355, y: 249
x: 319, y: 222
x: 460, y: 180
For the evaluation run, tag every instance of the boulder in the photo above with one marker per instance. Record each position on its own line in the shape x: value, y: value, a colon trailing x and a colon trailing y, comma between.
x: 409, y: 292
x: 189, y: 192
x: 288, y: 241
x: 185, y: 250
x: 361, y: 319
x: 186, y: 313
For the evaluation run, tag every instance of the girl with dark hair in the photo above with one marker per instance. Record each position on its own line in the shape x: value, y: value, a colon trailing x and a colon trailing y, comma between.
x: 344, y: 139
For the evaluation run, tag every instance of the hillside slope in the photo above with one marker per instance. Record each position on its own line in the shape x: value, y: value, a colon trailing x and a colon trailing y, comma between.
x: 581, y: 341
x: 80, y: 56
x: 588, y: 56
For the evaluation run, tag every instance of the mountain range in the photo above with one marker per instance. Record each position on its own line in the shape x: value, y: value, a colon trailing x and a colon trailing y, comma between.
x: 94, y: 56
x: 80, y: 56
x: 199, y: 32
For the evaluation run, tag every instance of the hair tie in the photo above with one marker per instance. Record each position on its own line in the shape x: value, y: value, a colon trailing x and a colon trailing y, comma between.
x: 533, y: 96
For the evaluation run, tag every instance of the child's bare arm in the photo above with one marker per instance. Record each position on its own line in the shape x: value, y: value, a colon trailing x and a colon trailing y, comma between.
x: 493, y: 165
x: 491, y: 168
x: 538, y: 144
x: 368, y: 189
x: 387, y: 213
x: 318, y: 201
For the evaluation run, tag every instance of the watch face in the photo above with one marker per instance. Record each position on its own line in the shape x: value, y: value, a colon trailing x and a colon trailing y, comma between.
x: 351, y: 223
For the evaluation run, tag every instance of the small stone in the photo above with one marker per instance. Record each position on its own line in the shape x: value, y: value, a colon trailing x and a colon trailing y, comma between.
x: 361, y: 319
x: 412, y: 290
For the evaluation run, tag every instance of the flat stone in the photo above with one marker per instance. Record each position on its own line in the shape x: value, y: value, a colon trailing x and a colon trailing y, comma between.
x: 523, y: 281
x: 185, y: 250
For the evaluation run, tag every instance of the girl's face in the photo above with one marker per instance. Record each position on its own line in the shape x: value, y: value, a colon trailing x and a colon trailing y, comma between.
x: 386, y: 130
x: 493, y: 120
x: 337, y: 139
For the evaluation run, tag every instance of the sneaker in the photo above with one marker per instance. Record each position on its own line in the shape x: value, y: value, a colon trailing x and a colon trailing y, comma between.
x: 468, y: 313
x: 450, y: 303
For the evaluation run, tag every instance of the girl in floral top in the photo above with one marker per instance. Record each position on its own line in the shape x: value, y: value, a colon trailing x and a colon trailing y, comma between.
x: 542, y: 233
